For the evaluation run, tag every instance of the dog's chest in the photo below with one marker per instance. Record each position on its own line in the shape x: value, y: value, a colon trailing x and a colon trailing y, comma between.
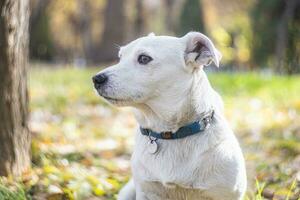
x: 157, y: 191
x: 196, y: 167
x: 177, y: 162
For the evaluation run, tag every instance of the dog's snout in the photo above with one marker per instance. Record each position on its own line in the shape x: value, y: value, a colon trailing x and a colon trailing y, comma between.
x: 99, y: 80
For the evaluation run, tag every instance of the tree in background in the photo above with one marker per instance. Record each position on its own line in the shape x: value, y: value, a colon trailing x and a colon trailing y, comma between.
x: 86, y: 30
x: 139, y: 18
x: 191, y: 18
x: 83, y: 28
x: 103, y: 47
x: 113, y: 33
x: 288, y: 31
x: 276, y: 30
x: 41, y: 44
x: 14, y: 133
x: 248, y: 33
x: 76, y: 31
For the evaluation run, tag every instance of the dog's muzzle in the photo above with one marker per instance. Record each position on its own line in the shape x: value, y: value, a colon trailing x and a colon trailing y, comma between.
x: 99, y: 80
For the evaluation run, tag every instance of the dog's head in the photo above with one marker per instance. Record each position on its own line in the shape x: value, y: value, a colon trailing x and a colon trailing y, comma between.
x: 153, y: 67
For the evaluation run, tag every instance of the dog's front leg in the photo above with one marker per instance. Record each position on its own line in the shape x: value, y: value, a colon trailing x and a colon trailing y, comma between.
x: 140, y: 194
x: 128, y: 192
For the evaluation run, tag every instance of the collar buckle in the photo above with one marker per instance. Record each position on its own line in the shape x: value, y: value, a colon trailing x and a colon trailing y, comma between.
x: 166, y: 135
x: 206, y: 120
x: 151, y: 138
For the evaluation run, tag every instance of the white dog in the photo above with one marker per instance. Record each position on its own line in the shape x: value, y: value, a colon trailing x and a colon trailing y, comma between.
x: 185, y: 149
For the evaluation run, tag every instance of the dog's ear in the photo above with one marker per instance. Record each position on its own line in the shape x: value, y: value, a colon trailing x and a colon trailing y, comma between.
x: 200, y: 51
x: 151, y: 34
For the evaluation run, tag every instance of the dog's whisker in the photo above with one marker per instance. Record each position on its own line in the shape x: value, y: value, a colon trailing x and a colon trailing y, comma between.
x: 117, y: 46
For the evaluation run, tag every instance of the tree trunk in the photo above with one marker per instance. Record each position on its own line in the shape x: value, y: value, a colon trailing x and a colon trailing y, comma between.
x: 38, y: 10
x: 172, y: 14
x: 83, y: 27
x: 14, y: 133
x: 139, y: 20
x: 113, y: 34
x: 169, y: 15
x: 282, y: 35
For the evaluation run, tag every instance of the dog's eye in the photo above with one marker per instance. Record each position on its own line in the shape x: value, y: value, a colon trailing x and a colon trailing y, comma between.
x: 144, y: 59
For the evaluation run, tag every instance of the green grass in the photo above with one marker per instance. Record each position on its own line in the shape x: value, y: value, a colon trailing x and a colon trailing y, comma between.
x: 55, y: 89
x: 69, y: 85
x: 81, y: 145
x: 11, y: 192
x: 274, y: 88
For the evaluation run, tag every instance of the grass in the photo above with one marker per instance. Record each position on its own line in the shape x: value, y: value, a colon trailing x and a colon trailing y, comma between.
x: 81, y: 145
x: 11, y: 192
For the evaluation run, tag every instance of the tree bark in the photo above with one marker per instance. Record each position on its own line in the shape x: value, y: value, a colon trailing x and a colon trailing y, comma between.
x: 14, y: 133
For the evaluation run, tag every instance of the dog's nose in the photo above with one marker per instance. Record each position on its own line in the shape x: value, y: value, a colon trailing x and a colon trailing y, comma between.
x: 99, y: 80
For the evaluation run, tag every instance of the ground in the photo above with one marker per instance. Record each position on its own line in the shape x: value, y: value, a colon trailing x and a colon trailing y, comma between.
x: 81, y: 145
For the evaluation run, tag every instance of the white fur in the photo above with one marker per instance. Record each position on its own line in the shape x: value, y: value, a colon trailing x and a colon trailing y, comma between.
x: 168, y: 93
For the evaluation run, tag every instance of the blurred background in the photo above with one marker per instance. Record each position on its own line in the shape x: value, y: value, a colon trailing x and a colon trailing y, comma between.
x: 251, y: 34
x: 81, y: 145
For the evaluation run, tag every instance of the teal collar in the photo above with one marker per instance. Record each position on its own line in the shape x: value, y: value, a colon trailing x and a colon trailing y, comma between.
x: 188, y: 130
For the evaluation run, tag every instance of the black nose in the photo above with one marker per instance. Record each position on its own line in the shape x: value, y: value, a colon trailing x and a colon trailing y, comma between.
x: 99, y: 80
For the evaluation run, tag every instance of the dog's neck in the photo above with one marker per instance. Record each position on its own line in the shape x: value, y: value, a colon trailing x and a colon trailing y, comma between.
x: 176, y: 112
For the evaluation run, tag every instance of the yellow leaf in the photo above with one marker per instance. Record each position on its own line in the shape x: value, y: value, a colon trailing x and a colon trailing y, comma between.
x: 48, y: 169
x: 99, y: 190
x: 113, y: 182
x: 93, y: 180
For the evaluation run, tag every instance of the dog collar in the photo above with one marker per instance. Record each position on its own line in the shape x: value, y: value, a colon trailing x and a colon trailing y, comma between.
x: 190, y: 129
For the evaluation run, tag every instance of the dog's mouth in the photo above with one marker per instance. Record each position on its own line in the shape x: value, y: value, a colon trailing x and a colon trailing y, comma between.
x: 111, y: 98
x: 117, y: 101
x: 106, y: 97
